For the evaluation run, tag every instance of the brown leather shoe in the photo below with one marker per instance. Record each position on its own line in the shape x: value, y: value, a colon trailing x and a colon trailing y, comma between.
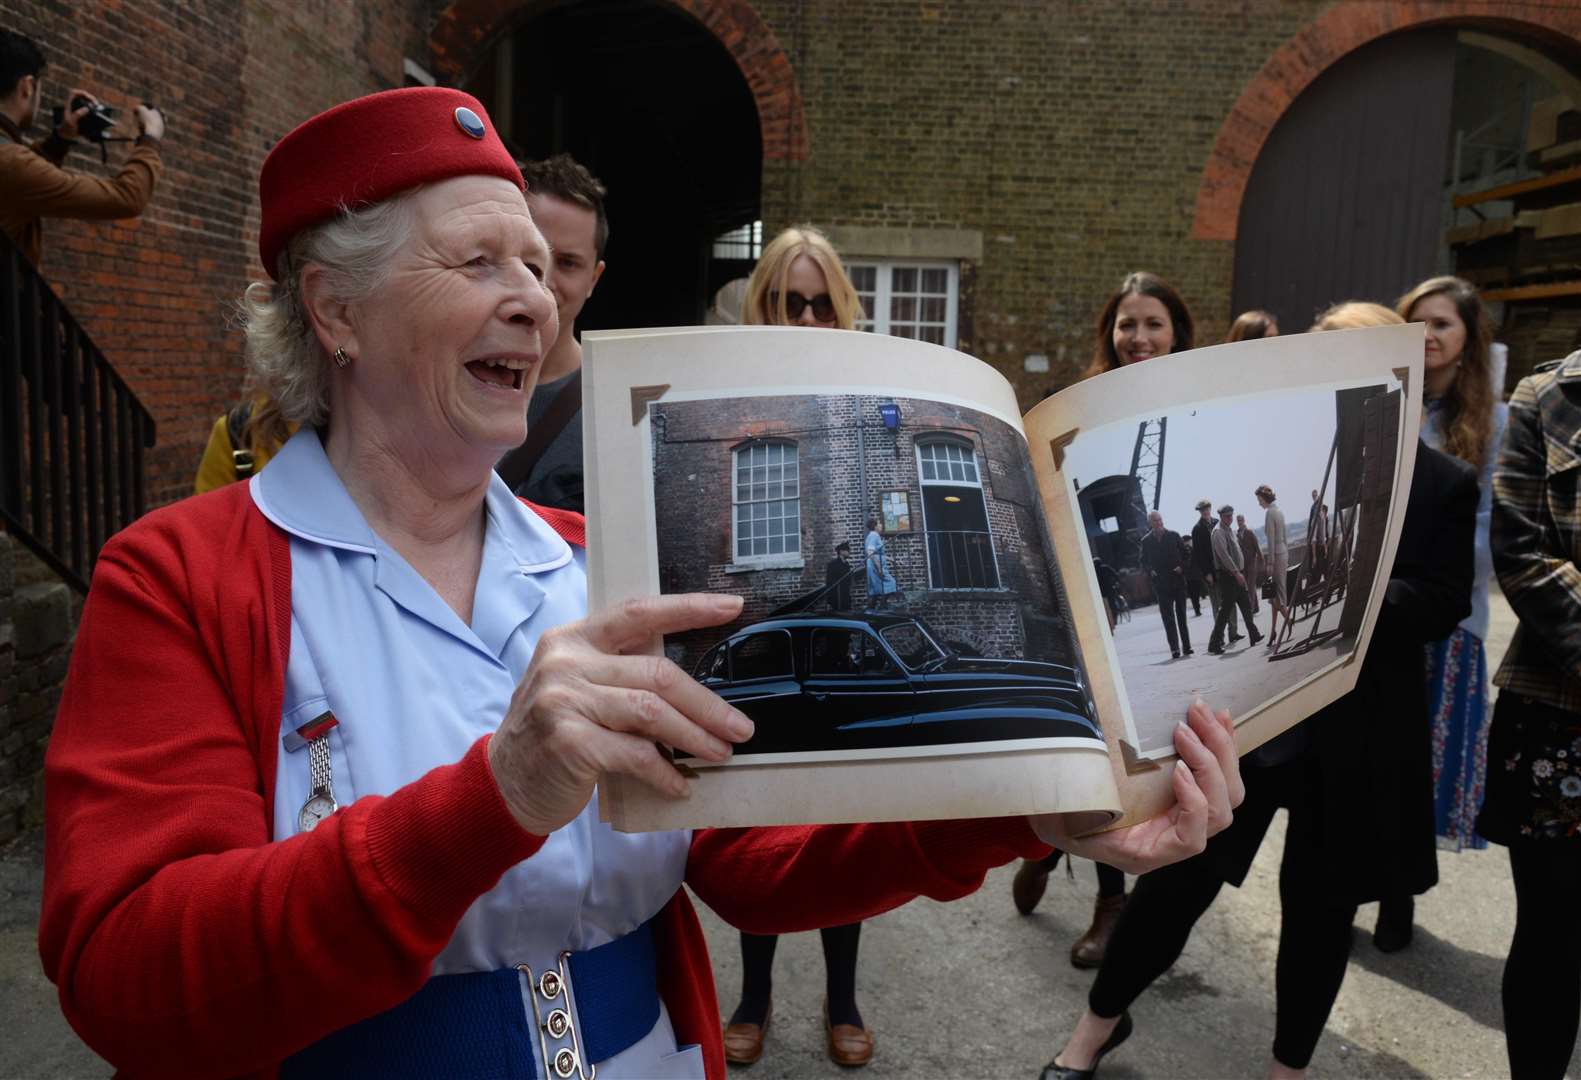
x: 1027, y: 888
x: 849, y: 1045
x: 744, y: 1042
x: 1089, y: 949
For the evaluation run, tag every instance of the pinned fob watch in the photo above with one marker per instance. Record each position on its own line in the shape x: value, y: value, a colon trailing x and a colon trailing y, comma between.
x: 321, y: 794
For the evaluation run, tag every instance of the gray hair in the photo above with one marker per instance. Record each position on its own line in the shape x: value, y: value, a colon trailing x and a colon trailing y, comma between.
x: 284, y: 357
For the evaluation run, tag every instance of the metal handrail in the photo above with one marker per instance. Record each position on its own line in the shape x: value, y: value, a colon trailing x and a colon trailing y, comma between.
x: 962, y: 559
x: 72, y: 433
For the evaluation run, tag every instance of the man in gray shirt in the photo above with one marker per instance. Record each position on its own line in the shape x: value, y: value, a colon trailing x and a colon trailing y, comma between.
x: 567, y: 205
x: 1229, y: 571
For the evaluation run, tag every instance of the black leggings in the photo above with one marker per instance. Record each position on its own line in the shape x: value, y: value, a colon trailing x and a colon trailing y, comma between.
x: 1542, y: 977
x: 1111, y: 882
x: 1314, y: 931
x: 839, y: 964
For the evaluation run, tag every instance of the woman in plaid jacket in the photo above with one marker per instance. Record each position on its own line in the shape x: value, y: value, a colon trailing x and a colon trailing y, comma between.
x: 1534, y: 747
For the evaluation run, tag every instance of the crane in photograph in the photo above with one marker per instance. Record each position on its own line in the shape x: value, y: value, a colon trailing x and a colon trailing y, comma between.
x: 1147, y: 459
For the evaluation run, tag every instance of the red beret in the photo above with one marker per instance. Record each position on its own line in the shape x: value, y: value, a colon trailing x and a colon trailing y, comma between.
x: 369, y: 149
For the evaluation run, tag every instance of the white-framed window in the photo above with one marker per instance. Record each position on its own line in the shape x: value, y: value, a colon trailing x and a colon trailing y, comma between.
x: 955, y: 516
x: 742, y: 242
x: 908, y: 299
x: 766, y: 497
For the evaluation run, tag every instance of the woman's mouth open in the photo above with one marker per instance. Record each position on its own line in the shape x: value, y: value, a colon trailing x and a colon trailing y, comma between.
x: 505, y: 372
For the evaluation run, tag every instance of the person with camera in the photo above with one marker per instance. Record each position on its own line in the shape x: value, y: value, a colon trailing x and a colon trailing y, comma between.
x: 33, y: 185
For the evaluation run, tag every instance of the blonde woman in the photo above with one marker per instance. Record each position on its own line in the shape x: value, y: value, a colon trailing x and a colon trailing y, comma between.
x: 1354, y: 315
x: 799, y: 282
x: 1352, y: 780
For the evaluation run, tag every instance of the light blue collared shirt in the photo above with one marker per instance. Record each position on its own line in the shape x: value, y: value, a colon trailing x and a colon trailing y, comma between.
x: 414, y: 687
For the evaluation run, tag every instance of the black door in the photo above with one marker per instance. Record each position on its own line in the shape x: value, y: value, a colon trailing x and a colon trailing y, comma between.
x: 1346, y: 199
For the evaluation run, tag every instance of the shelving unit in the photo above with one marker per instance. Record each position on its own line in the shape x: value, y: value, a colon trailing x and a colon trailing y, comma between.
x: 1523, y: 247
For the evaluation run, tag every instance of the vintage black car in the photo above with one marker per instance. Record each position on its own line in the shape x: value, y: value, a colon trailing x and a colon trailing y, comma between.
x: 848, y: 681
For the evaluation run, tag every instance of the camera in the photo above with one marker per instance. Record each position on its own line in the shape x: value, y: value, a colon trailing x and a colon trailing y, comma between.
x: 93, y: 124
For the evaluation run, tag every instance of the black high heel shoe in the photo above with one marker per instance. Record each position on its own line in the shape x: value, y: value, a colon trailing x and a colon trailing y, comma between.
x: 1121, y: 1032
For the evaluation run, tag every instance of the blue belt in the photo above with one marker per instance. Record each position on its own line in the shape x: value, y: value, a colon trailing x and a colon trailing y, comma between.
x: 478, y: 1026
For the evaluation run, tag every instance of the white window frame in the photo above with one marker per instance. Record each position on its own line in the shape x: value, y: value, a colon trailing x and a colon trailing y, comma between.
x: 878, y: 320
x: 787, y: 559
x: 977, y: 466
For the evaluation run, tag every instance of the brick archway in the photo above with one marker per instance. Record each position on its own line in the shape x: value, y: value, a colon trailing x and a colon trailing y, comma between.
x: 466, y: 26
x: 1335, y: 33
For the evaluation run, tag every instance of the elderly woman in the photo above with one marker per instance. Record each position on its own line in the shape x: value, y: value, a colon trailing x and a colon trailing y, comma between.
x: 322, y: 791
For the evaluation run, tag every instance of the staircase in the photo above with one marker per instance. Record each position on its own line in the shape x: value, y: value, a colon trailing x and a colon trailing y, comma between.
x: 72, y: 438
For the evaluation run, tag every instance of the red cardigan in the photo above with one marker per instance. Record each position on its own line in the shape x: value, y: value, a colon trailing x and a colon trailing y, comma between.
x: 186, y: 941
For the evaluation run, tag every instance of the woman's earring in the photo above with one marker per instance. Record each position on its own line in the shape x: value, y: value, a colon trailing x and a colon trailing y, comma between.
x: 341, y: 359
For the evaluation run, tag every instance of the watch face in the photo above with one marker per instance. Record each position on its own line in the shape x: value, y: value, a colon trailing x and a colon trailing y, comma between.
x: 316, y: 809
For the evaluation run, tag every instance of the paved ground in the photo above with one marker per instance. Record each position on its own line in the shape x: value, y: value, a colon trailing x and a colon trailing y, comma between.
x: 1240, y: 679
x: 971, y: 989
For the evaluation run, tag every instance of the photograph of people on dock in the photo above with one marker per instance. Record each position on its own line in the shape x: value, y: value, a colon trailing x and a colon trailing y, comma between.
x: 1272, y: 508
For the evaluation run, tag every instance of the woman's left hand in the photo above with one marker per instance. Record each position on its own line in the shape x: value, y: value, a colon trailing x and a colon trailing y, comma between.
x: 1208, y: 787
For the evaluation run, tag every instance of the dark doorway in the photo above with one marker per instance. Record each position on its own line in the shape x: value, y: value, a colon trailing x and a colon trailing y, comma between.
x: 652, y: 103
x: 1346, y: 200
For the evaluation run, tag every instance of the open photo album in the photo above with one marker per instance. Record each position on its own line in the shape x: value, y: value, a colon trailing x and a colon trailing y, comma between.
x: 953, y: 610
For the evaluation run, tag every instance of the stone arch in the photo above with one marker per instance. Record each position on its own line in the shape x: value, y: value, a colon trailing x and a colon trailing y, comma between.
x: 464, y: 28
x: 1336, y: 32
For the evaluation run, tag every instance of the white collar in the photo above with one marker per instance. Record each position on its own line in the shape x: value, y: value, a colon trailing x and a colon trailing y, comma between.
x: 300, y: 491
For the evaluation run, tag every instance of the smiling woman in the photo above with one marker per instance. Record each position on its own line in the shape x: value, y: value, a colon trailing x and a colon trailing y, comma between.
x: 1145, y: 317
x: 333, y: 735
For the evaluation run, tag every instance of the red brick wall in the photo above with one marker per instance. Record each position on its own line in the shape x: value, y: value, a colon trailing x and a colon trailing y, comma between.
x: 156, y: 293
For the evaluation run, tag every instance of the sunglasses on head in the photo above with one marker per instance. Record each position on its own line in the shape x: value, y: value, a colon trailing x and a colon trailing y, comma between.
x: 796, y: 303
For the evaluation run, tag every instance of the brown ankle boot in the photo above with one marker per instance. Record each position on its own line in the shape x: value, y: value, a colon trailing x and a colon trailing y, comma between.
x: 1088, y: 950
x: 1027, y: 888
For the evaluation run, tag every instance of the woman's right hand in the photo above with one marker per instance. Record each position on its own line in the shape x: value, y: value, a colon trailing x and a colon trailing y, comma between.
x: 592, y: 702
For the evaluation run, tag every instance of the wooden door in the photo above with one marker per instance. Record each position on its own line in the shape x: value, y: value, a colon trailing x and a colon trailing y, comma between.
x: 1345, y: 201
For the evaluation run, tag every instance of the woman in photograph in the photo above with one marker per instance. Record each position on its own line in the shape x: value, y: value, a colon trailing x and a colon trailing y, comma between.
x: 321, y: 795
x: 799, y: 281
x: 1533, y: 802
x: 1250, y: 325
x: 1145, y: 317
x: 1278, y: 557
x: 881, y: 585
x: 1462, y: 416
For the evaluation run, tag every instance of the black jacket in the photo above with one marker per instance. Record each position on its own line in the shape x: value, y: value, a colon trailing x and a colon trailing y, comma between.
x: 1367, y: 759
x: 1202, y: 547
x: 1163, y: 556
x: 1374, y: 745
x: 839, y: 597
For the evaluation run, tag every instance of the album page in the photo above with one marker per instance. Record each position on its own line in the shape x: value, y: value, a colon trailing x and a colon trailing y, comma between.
x: 906, y: 649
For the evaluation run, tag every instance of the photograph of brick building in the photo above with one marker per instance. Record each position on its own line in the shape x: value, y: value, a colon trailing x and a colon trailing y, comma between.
x: 753, y: 495
x: 974, y: 562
